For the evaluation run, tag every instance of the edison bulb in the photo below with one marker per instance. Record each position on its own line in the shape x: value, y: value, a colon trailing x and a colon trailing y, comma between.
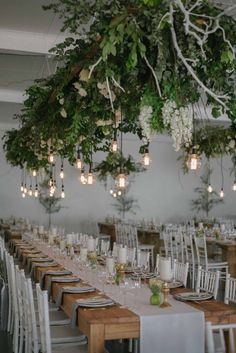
x: 234, y: 186
x: 62, y: 174
x: 83, y: 178
x: 121, y: 181
x: 119, y: 193
x: 114, y: 145
x: 115, y: 194
x: 90, y: 179
x: 34, y: 173
x: 36, y: 193
x: 22, y: 188
x: 111, y: 191
x: 210, y: 188
x: 30, y: 192
x: 222, y: 193
x: 51, y: 158
x: 194, y: 162
x: 146, y: 159
x: 23, y: 195
x: 63, y: 194
x: 79, y: 163
x: 25, y: 189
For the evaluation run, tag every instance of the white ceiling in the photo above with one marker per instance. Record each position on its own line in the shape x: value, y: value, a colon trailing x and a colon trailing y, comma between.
x: 26, y: 34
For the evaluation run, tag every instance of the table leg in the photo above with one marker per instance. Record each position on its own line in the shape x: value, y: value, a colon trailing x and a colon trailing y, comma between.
x: 96, y: 339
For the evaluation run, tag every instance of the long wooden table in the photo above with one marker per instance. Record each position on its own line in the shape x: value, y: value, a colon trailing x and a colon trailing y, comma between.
x: 100, y: 324
x: 228, y: 253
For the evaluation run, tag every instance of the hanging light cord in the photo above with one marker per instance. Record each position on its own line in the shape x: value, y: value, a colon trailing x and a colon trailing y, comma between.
x: 222, y: 173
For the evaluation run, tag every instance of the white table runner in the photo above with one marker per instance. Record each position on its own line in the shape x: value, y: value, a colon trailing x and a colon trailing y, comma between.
x: 177, y: 329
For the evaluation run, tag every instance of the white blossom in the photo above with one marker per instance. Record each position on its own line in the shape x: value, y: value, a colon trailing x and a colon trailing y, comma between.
x: 180, y: 123
x: 104, y: 91
x: 231, y: 144
x: 144, y: 121
x: 82, y: 92
x: 63, y: 113
x: 104, y: 122
x: 84, y: 75
x: 61, y: 101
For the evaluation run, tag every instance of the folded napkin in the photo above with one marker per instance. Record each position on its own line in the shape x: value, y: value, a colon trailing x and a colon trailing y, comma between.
x: 74, y: 290
x: 60, y: 280
x: 36, y: 259
x: 54, y: 273
x: 95, y: 302
x: 39, y: 264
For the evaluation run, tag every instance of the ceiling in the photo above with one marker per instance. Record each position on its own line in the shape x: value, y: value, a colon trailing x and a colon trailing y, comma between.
x: 26, y: 34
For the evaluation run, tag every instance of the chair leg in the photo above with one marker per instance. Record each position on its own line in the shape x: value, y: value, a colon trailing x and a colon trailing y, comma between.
x: 136, y: 345
x: 130, y: 345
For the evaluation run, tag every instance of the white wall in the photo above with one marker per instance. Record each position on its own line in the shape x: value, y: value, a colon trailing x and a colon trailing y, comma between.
x: 163, y: 192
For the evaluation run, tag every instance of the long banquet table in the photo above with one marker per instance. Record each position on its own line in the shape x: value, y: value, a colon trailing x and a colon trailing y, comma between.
x: 117, y: 322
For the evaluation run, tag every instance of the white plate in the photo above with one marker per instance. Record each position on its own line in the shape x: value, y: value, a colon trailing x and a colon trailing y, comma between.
x: 175, y: 284
x: 193, y: 296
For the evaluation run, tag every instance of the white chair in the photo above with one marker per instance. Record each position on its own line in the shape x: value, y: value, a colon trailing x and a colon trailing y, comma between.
x: 180, y: 272
x: 126, y: 234
x: 215, y: 338
x: 230, y: 290
x: 143, y: 259
x: 202, y: 258
x: 190, y: 256
x: 207, y: 281
x: 51, y: 337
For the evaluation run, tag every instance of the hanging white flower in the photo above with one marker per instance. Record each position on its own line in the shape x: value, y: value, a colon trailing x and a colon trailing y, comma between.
x: 104, y: 122
x: 82, y: 92
x: 63, y: 113
x: 61, y: 101
x: 232, y: 144
x: 145, y: 122
x: 180, y: 123
x: 104, y: 91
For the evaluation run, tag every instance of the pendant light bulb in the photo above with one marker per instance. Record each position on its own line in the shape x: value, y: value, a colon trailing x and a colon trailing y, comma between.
x: 22, y: 187
x: 115, y: 194
x: 62, y: 174
x: 121, y: 181
x: 194, y: 161
x: 146, y: 158
x: 30, y: 192
x: 119, y: 193
x: 51, y: 158
x: 83, y: 177
x: 114, y: 145
x: 90, y: 178
x: 234, y: 186
x: 25, y: 189
x: 222, y: 193
x: 36, y: 193
x: 79, y: 164
x: 23, y: 195
x: 111, y: 191
x: 209, y: 188
x: 34, y: 173
x: 63, y: 192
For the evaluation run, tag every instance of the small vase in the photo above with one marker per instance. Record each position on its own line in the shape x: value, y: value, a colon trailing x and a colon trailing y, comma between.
x: 155, y: 299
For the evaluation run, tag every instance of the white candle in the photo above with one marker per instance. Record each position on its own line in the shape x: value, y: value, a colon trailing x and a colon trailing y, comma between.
x: 72, y: 253
x: 54, y: 231
x: 83, y: 254
x: 122, y: 255
x: 62, y: 244
x: 41, y: 229
x: 110, y: 264
x: 165, y: 269
x: 69, y: 238
x: 114, y: 250
x: 91, y: 244
x: 200, y: 225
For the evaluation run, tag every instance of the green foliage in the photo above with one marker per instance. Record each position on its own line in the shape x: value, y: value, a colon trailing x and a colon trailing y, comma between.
x: 129, y: 45
x: 125, y: 203
x: 205, y: 201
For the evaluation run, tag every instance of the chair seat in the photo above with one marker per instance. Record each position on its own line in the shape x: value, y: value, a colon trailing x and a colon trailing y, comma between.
x: 56, y: 318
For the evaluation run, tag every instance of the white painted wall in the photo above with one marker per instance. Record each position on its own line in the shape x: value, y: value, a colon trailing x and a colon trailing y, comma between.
x: 163, y: 192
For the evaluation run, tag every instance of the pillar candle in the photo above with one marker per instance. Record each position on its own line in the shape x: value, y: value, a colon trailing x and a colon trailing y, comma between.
x: 110, y: 264
x: 83, y: 254
x: 122, y: 255
x: 91, y: 244
x: 165, y: 269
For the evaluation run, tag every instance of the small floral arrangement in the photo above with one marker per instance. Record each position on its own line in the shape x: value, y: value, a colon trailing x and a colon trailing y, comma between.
x: 155, y: 285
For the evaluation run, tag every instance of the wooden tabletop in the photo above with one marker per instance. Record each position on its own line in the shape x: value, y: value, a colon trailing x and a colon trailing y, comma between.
x: 115, y: 322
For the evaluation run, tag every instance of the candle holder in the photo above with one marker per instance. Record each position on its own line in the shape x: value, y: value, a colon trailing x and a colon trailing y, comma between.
x: 92, y: 257
x: 120, y: 273
x: 165, y: 290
